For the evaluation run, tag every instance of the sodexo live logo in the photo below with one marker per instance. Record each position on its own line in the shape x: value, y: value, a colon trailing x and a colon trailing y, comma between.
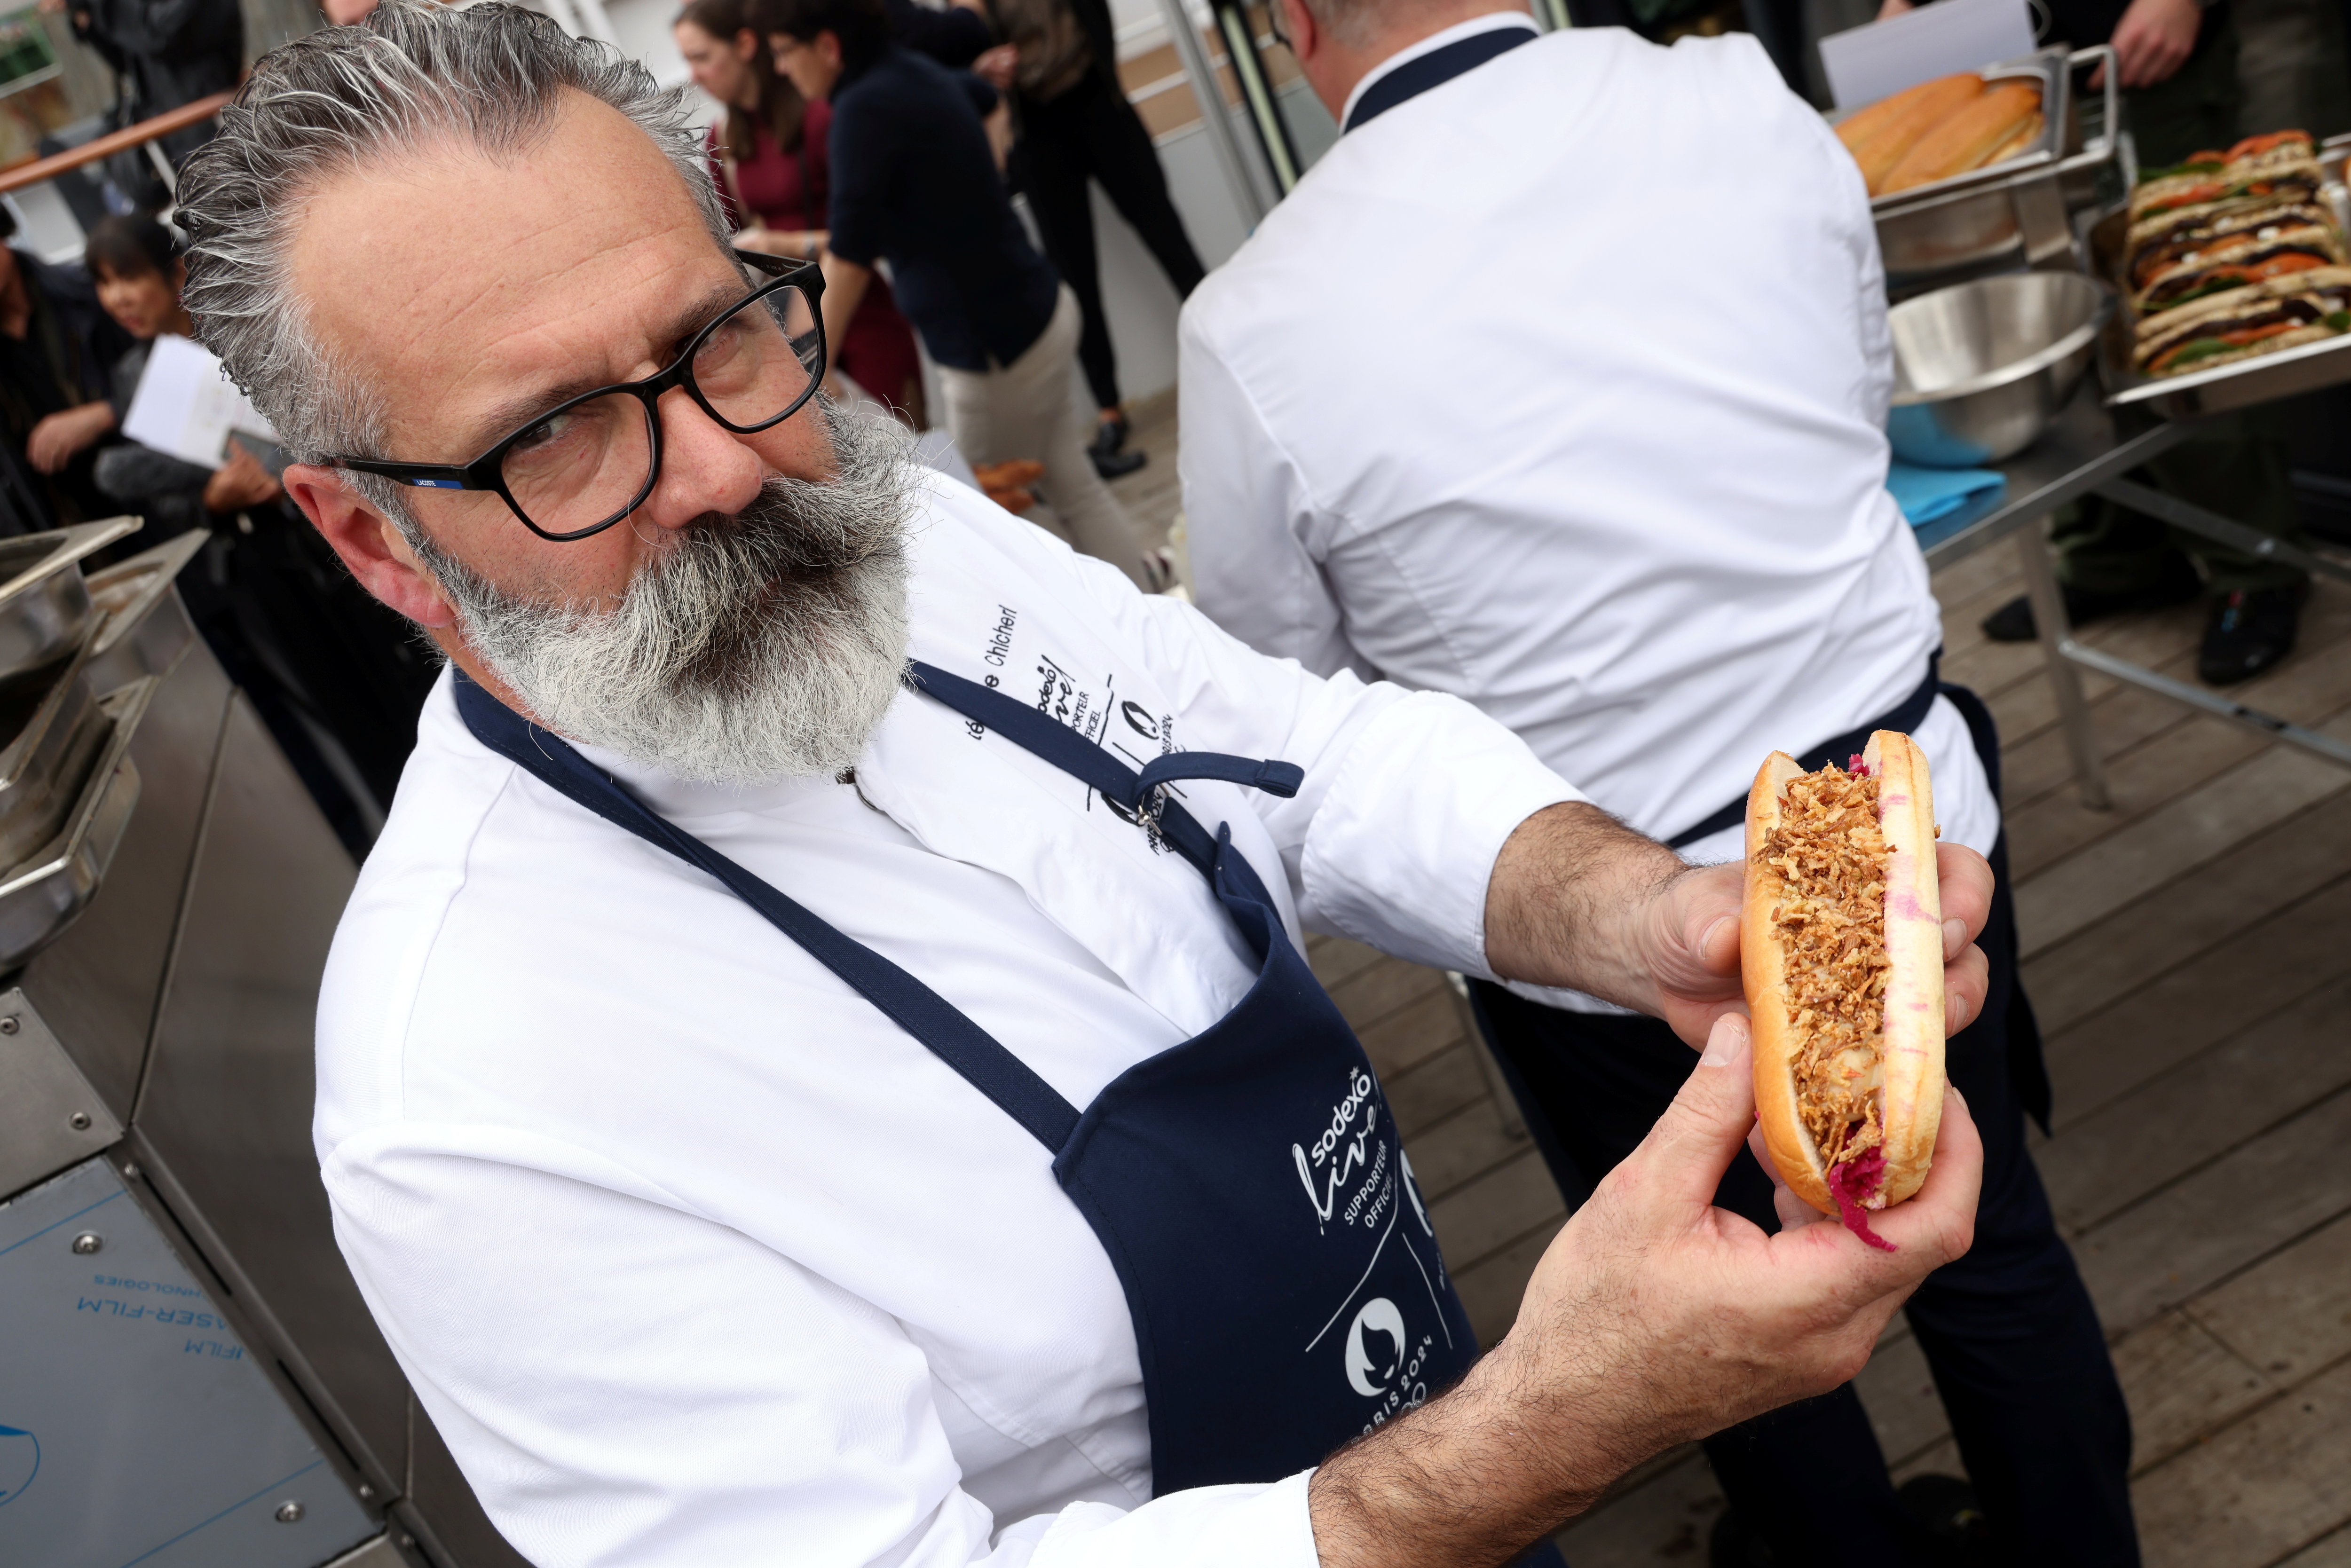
x: 20, y: 1461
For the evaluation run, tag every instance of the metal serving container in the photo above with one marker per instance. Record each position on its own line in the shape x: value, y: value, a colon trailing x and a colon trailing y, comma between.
x: 54, y: 728
x: 2015, y: 210
x: 1981, y: 367
x: 44, y: 604
x: 42, y: 895
x: 2240, y: 385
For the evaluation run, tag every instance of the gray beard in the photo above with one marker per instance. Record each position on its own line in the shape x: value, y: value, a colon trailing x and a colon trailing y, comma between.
x: 760, y: 646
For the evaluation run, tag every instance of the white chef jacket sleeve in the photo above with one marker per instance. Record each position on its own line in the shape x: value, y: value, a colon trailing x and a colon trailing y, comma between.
x: 1248, y: 515
x: 1408, y: 796
x: 645, y: 1421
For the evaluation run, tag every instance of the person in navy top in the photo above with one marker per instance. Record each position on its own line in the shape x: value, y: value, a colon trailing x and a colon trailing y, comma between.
x: 916, y: 183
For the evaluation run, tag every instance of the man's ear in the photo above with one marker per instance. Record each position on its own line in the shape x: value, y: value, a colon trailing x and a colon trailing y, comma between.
x: 369, y: 544
x: 1305, y: 38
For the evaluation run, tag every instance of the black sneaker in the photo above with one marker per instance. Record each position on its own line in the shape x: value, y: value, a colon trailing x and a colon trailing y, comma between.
x: 2249, y: 632
x: 2175, y: 583
x: 1946, y: 1507
x: 1110, y: 458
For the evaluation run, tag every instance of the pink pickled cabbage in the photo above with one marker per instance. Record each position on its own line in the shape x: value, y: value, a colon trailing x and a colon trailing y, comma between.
x: 1853, y: 1184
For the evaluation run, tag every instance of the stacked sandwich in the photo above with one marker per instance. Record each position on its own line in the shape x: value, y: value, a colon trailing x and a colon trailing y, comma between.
x: 2232, y: 255
x: 1939, y: 129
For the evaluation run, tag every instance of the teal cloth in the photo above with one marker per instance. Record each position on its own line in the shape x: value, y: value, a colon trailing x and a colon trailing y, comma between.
x: 1930, y: 494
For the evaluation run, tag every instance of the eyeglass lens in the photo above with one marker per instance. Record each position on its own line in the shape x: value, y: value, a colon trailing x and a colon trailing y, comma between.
x: 586, y: 465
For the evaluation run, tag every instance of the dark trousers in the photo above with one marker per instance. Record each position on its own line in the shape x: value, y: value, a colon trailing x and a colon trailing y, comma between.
x: 1091, y: 131
x: 2008, y: 1330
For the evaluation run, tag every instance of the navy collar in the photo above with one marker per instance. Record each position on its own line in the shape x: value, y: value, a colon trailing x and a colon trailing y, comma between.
x: 1434, y: 68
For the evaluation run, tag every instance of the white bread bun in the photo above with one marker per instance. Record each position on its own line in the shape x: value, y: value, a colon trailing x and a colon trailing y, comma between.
x: 1909, y: 1071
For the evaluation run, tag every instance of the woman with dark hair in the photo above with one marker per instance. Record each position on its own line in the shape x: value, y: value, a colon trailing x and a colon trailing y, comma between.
x: 138, y: 273
x: 768, y: 154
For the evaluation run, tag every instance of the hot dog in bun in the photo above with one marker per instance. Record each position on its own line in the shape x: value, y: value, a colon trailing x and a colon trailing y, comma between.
x: 1841, y: 953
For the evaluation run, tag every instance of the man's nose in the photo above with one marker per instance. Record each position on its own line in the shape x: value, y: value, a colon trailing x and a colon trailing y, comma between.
x: 704, y: 466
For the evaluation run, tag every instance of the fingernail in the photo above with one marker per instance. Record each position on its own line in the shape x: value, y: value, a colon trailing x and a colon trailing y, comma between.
x: 1726, y: 1041
x: 1955, y: 935
x: 1714, y: 929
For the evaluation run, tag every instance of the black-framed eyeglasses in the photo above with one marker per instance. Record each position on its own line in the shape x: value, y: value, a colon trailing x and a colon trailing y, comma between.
x: 586, y: 464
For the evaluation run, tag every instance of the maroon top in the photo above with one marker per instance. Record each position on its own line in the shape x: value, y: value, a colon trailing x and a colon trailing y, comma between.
x: 790, y: 192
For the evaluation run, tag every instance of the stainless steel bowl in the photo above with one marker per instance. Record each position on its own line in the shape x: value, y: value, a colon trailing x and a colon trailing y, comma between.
x: 1981, y: 367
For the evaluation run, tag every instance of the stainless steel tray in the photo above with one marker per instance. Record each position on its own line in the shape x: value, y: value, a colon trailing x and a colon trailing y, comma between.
x: 135, y: 640
x: 44, y: 604
x: 58, y: 728
x: 2261, y: 380
x: 41, y: 897
x: 2018, y: 205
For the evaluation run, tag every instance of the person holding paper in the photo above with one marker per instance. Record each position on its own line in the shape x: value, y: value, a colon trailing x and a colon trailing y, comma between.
x: 138, y: 277
x: 55, y: 347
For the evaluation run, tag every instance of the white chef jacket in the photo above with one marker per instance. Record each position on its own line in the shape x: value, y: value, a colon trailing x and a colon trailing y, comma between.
x: 693, y: 1256
x: 1561, y: 387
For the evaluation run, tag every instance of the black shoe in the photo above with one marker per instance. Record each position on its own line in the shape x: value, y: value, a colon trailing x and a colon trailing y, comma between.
x: 1945, y: 1508
x: 1118, y: 464
x: 2176, y: 583
x: 1111, y: 460
x: 2249, y: 632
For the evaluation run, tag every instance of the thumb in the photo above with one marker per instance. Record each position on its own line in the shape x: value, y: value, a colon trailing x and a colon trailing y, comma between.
x: 1703, y: 1130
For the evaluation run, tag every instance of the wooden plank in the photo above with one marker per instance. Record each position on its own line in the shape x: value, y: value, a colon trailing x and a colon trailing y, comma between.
x: 2331, y: 1551
x: 1461, y: 1148
x: 1338, y: 959
x: 2258, y: 1489
x: 1663, y: 1521
x: 2225, y: 1094
x: 2290, y: 1314
x: 2181, y: 1384
x: 1382, y: 989
x: 1413, y: 1033
x: 2170, y: 841
x: 1492, y: 1287
x: 2232, y: 1213
x: 1495, y: 1210
x: 2307, y: 690
x: 1978, y: 576
x: 1942, y: 1460
x: 1425, y: 1094
x: 2072, y: 982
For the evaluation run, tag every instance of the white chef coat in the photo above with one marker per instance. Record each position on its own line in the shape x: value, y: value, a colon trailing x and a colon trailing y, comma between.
x: 1561, y: 387
x: 695, y: 1257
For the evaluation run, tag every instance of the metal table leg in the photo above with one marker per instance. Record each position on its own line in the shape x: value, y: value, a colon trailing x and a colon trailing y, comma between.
x: 2057, y: 636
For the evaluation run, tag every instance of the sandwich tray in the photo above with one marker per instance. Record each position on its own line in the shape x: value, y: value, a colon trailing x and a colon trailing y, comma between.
x: 2263, y: 379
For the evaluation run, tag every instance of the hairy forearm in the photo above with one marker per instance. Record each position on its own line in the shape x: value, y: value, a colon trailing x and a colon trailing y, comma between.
x: 1566, y: 899
x: 1475, y: 1477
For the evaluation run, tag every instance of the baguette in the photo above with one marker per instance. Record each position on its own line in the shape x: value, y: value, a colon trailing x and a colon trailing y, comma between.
x: 1966, y: 139
x: 1848, y: 1033
x: 1879, y: 135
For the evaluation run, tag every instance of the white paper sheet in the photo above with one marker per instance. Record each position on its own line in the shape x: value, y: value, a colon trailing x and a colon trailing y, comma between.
x: 186, y: 406
x: 1867, y: 63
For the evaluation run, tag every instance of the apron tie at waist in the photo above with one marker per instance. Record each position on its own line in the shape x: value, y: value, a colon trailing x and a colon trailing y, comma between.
x: 1903, y: 717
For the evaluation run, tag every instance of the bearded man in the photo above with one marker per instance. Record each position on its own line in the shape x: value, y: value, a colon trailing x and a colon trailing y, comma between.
x: 818, y: 1066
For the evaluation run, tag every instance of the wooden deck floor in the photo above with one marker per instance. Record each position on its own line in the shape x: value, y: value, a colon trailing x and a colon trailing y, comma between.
x: 2190, y: 957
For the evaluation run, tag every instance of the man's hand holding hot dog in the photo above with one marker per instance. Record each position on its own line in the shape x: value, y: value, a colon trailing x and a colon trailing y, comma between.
x: 1654, y: 1318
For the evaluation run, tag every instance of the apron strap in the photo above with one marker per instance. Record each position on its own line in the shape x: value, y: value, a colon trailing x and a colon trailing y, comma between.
x: 963, y: 1045
x: 1143, y: 794
x: 1904, y: 715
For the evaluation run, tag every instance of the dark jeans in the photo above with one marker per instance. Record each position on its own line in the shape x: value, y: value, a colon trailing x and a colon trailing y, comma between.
x: 1091, y: 131
x: 2008, y: 1330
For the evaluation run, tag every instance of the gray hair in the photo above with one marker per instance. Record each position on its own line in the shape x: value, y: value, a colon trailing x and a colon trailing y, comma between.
x: 339, y: 100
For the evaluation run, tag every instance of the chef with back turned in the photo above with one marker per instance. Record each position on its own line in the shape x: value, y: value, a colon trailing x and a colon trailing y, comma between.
x: 1558, y: 385
x: 817, y: 1069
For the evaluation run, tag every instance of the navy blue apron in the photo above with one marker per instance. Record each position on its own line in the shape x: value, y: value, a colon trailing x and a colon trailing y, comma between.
x: 1248, y: 1185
